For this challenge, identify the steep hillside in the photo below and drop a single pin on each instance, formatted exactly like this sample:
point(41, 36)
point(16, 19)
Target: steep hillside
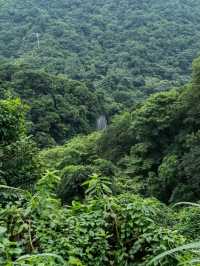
point(119, 46)
point(125, 195)
point(65, 63)
point(36, 229)
point(153, 150)
point(117, 51)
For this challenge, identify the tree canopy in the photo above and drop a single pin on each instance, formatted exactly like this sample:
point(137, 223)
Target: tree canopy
point(73, 193)
point(119, 46)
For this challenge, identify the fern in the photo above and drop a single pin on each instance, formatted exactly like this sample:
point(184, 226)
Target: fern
point(187, 203)
point(20, 191)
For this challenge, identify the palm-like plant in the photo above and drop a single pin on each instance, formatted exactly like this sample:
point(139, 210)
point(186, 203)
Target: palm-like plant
point(98, 186)
point(37, 259)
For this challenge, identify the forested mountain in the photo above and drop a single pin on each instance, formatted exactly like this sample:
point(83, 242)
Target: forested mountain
point(121, 50)
point(125, 195)
point(115, 45)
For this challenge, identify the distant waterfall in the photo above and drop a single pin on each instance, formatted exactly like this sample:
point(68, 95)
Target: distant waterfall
point(102, 123)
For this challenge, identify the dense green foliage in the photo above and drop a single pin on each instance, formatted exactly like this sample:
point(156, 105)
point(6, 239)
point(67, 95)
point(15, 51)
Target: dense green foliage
point(130, 230)
point(119, 46)
point(101, 198)
point(119, 51)
point(59, 108)
point(158, 143)
point(19, 166)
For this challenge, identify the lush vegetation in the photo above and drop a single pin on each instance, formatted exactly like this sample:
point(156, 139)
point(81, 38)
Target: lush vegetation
point(19, 166)
point(118, 52)
point(119, 46)
point(157, 143)
point(88, 193)
point(58, 107)
point(127, 195)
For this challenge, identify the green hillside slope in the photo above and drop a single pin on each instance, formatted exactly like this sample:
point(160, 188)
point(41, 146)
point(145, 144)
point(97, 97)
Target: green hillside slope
point(113, 44)
point(74, 196)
